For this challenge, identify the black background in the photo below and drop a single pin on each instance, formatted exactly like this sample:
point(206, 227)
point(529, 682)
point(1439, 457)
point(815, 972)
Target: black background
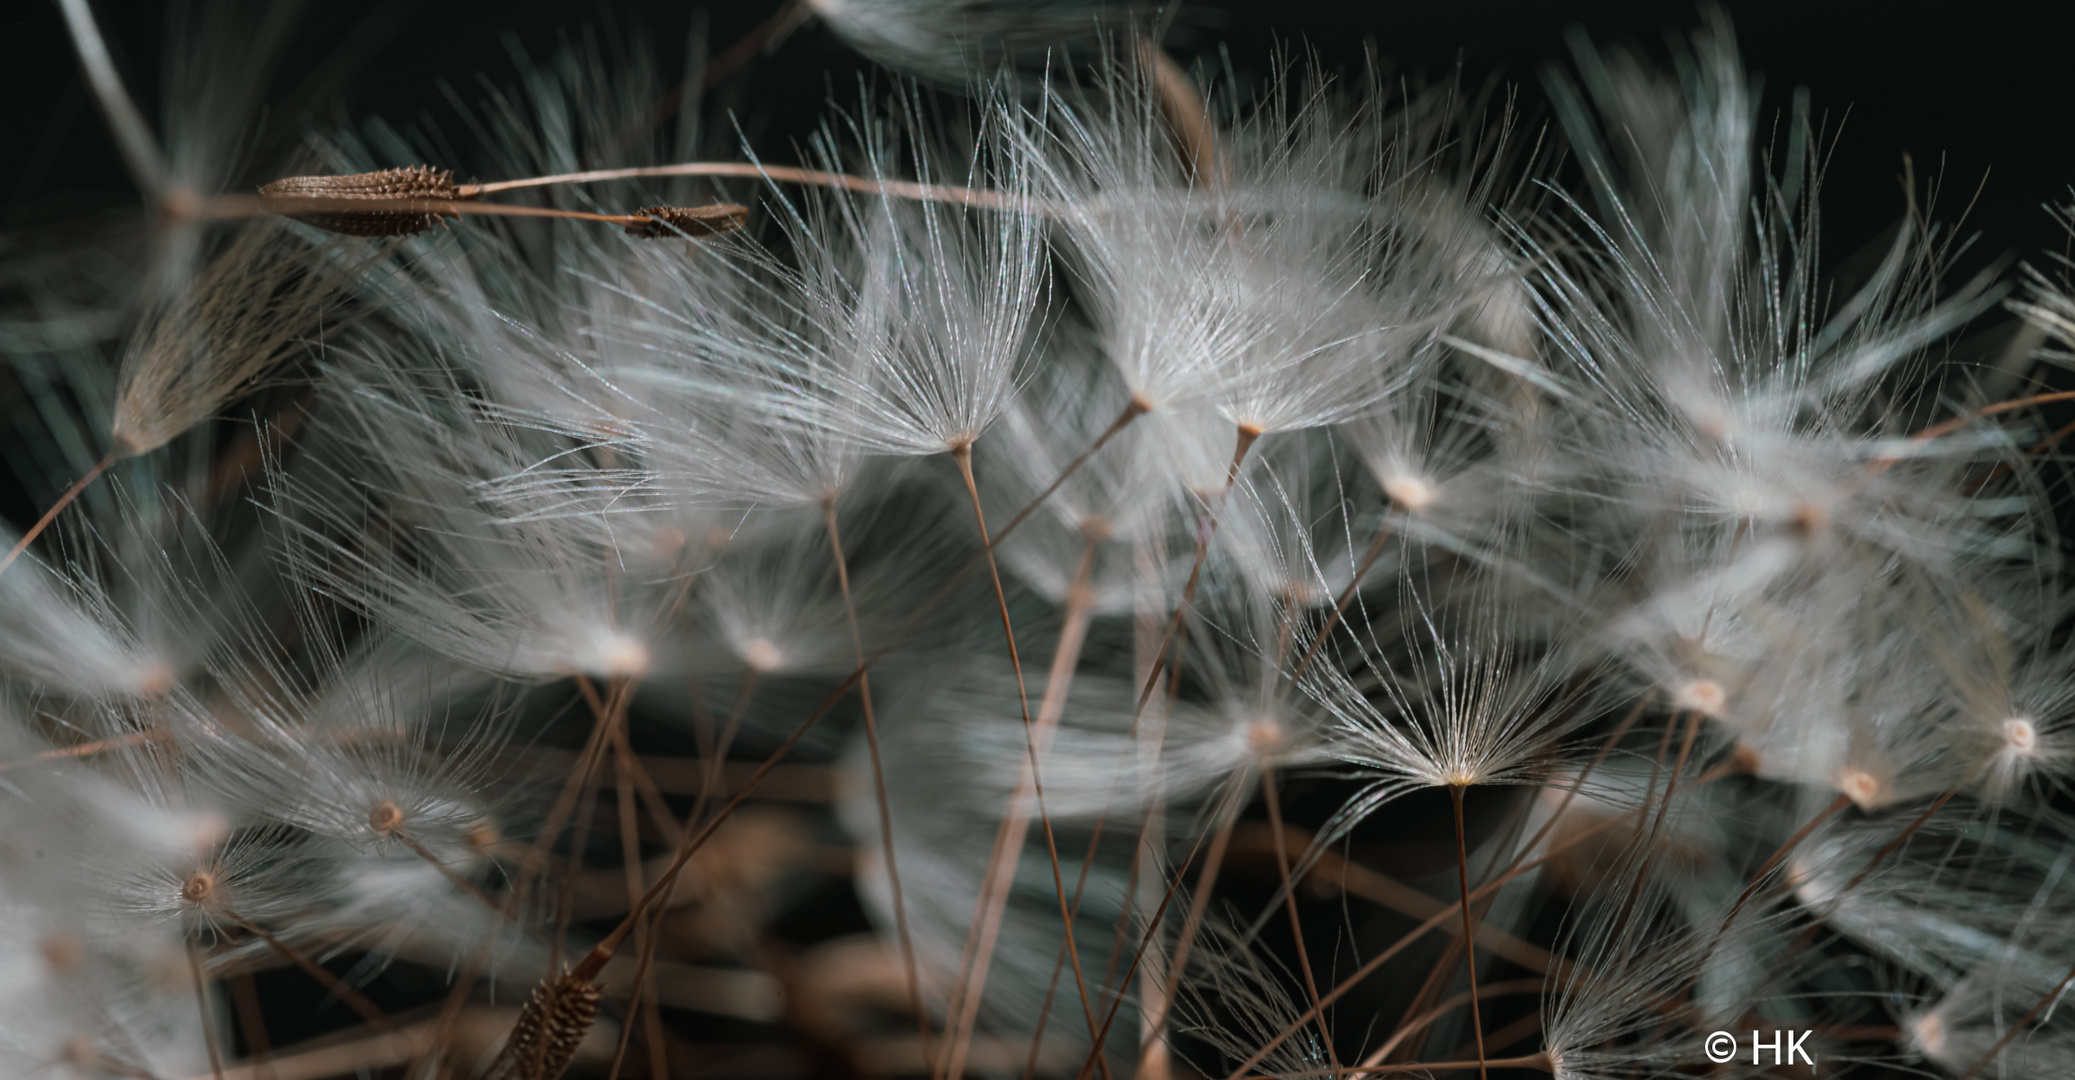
point(1980, 94)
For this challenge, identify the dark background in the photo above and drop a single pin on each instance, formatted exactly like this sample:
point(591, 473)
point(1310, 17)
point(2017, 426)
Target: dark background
point(1981, 94)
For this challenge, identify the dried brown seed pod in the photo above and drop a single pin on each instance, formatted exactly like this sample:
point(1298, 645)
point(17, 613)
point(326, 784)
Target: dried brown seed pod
point(713, 220)
point(414, 182)
point(549, 1029)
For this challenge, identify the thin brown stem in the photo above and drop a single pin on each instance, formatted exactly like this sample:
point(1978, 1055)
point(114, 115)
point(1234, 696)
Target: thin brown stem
point(86, 749)
point(252, 1023)
point(1247, 435)
point(1462, 872)
point(1289, 900)
point(1145, 944)
point(602, 953)
point(645, 937)
point(452, 875)
point(226, 207)
point(57, 508)
point(194, 972)
point(1192, 923)
point(1133, 409)
point(757, 171)
point(2019, 1027)
point(1347, 596)
point(616, 697)
point(962, 454)
point(893, 873)
point(1015, 827)
point(368, 1011)
point(1370, 966)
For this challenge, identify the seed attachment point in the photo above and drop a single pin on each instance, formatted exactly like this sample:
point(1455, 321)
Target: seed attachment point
point(385, 817)
point(199, 888)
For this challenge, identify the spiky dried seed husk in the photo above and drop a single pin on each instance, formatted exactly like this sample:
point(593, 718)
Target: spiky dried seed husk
point(711, 220)
point(549, 1029)
point(413, 182)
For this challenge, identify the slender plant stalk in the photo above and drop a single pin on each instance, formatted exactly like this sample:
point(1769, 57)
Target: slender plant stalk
point(194, 972)
point(1247, 435)
point(57, 508)
point(1370, 966)
point(1289, 899)
point(2019, 1027)
point(962, 454)
point(893, 872)
point(1001, 867)
point(1462, 872)
point(354, 1000)
point(1199, 903)
point(645, 936)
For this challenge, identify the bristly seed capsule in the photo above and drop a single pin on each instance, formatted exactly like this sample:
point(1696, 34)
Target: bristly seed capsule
point(549, 1029)
point(413, 182)
point(691, 221)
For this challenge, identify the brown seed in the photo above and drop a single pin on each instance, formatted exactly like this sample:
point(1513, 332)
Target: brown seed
point(414, 182)
point(549, 1029)
point(710, 220)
